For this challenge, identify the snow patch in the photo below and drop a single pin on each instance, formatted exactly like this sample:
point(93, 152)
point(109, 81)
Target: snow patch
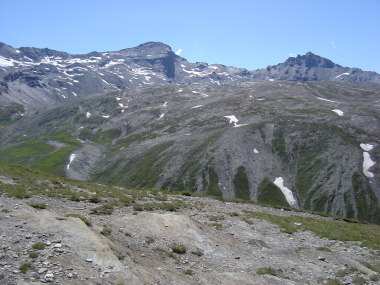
point(178, 52)
point(198, 106)
point(279, 182)
point(338, 112)
point(327, 100)
point(106, 116)
point(235, 121)
point(255, 150)
point(346, 73)
point(72, 157)
point(366, 146)
point(161, 116)
point(118, 98)
point(165, 104)
point(367, 164)
point(88, 114)
point(75, 94)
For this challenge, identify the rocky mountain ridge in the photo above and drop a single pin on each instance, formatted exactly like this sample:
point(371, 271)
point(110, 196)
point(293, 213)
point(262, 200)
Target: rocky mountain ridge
point(37, 77)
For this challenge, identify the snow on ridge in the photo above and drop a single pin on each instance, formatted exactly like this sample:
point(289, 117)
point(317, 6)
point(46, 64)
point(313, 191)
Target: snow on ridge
point(338, 112)
point(75, 94)
point(367, 164)
point(198, 106)
point(234, 120)
point(279, 182)
point(165, 104)
point(346, 73)
point(366, 146)
point(72, 157)
point(161, 116)
point(5, 62)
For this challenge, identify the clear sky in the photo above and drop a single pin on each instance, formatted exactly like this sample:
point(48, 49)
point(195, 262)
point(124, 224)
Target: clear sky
point(243, 33)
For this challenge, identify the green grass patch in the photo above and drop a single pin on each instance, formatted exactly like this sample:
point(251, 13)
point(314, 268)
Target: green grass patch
point(39, 246)
point(241, 184)
point(25, 152)
point(179, 248)
point(83, 218)
point(269, 193)
point(25, 267)
point(39, 206)
point(366, 234)
point(267, 270)
point(55, 162)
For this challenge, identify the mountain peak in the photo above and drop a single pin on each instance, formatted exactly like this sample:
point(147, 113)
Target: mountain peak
point(310, 60)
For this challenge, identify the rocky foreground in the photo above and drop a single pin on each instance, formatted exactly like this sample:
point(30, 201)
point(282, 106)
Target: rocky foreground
point(199, 240)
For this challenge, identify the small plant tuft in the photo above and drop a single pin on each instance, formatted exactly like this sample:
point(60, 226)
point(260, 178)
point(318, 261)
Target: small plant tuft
point(33, 255)
point(179, 248)
point(84, 219)
point(149, 240)
point(25, 267)
point(267, 271)
point(39, 246)
point(106, 231)
point(39, 206)
point(188, 272)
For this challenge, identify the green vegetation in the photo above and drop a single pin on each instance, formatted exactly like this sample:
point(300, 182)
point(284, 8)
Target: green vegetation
point(179, 248)
point(212, 186)
point(11, 112)
point(25, 267)
point(166, 252)
point(83, 218)
point(106, 231)
point(38, 206)
point(326, 249)
point(278, 143)
point(365, 199)
point(149, 240)
point(107, 136)
point(269, 193)
point(186, 177)
point(359, 280)
point(106, 209)
point(33, 255)
point(241, 184)
point(267, 270)
point(188, 272)
point(197, 252)
point(366, 234)
point(25, 152)
point(144, 169)
point(216, 218)
point(308, 166)
point(39, 246)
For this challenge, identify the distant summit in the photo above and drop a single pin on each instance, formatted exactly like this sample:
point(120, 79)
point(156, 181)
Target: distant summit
point(312, 67)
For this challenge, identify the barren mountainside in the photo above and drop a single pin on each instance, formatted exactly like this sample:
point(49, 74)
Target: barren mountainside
point(301, 134)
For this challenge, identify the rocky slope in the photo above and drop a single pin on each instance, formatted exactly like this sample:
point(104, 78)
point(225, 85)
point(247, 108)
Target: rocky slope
point(306, 145)
point(52, 232)
point(39, 77)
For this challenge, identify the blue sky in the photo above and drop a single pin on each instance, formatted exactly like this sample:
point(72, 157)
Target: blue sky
point(243, 33)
